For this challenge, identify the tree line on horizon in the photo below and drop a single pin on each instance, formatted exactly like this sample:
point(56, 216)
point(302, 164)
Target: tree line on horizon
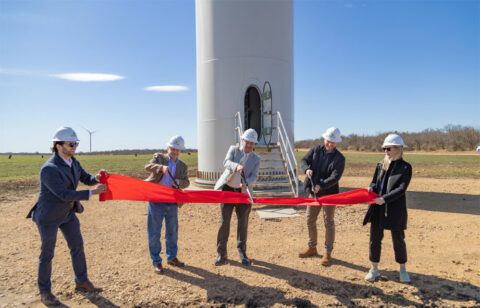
point(111, 152)
point(449, 138)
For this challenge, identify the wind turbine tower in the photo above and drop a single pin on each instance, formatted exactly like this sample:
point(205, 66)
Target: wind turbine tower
point(90, 132)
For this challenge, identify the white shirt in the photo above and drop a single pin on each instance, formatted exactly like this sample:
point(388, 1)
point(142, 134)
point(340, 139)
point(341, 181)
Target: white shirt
point(236, 178)
point(69, 161)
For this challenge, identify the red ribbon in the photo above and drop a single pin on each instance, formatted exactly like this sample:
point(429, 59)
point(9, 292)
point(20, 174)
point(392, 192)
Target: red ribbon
point(121, 187)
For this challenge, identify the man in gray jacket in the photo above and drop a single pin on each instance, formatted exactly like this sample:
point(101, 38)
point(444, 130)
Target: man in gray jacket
point(323, 166)
point(241, 169)
point(167, 170)
point(55, 209)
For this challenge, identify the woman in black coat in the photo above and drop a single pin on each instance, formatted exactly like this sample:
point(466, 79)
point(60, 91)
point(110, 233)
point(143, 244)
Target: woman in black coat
point(390, 181)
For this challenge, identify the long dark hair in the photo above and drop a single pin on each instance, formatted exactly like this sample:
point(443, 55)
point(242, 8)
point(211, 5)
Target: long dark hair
point(54, 148)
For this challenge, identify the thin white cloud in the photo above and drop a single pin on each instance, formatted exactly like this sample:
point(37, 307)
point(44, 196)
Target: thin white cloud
point(171, 88)
point(88, 77)
point(17, 72)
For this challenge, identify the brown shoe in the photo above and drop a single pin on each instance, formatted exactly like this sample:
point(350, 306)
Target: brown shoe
point(309, 252)
point(48, 299)
point(159, 268)
point(87, 286)
point(176, 262)
point(327, 258)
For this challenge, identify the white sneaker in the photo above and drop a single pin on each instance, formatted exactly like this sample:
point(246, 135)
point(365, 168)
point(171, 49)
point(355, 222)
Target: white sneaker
point(372, 275)
point(404, 277)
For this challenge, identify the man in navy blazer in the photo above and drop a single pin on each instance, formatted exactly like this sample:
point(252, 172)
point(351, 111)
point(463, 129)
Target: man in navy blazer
point(55, 209)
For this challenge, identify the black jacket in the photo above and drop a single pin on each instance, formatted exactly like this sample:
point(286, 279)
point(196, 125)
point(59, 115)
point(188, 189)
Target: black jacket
point(394, 196)
point(312, 160)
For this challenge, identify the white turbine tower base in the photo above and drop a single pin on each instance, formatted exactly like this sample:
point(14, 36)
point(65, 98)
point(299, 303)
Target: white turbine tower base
point(244, 60)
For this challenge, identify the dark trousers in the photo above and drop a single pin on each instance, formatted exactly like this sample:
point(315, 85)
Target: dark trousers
point(243, 212)
point(48, 236)
point(399, 245)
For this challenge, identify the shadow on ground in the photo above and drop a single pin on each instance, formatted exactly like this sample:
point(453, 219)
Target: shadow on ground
point(440, 202)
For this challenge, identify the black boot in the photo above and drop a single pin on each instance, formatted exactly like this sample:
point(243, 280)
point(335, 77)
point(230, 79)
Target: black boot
point(245, 260)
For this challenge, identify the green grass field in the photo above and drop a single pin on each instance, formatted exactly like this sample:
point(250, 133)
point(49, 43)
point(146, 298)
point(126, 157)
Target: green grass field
point(21, 171)
point(424, 165)
point(26, 167)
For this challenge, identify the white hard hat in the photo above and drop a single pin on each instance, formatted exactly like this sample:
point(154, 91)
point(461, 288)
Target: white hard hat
point(65, 134)
point(333, 135)
point(393, 140)
point(250, 135)
point(176, 142)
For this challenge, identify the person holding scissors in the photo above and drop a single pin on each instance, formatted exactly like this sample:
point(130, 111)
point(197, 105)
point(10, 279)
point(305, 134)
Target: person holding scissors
point(167, 170)
point(241, 169)
point(323, 166)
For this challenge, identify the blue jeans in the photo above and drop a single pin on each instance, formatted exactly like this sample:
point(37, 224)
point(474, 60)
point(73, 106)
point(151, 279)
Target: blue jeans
point(48, 235)
point(157, 212)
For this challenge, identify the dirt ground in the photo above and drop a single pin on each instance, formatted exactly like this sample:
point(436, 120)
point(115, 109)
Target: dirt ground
point(443, 241)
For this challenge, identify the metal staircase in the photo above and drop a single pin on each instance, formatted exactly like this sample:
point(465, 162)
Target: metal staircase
point(277, 175)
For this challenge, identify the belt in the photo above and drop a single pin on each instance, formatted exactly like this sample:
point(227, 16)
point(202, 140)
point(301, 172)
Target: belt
point(229, 188)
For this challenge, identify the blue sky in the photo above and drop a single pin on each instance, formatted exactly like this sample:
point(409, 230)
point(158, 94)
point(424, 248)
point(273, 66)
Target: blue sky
point(363, 66)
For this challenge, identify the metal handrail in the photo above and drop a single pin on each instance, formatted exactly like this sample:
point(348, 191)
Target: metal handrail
point(238, 127)
point(291, 174)
point(284, 144)
point(281, 126)
point(287, 151)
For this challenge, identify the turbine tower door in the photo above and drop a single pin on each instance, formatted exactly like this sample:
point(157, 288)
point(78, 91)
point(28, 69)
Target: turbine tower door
point(253, 110)
point(267, 121)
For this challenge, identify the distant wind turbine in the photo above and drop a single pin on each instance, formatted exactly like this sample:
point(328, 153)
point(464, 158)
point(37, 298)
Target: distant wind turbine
point(90, 132)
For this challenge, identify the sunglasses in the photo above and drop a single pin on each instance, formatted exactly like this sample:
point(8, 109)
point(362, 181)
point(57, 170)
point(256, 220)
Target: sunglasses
point(71, 144)
point(389, 149)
